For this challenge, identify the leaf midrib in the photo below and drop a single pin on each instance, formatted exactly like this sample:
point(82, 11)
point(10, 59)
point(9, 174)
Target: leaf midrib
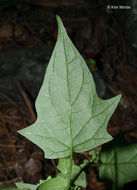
point(71, 143)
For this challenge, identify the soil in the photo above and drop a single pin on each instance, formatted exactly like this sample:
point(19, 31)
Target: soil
point(30, 26)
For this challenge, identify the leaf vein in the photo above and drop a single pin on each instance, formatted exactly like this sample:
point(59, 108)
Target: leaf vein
point(92, 117)
point(54, 139)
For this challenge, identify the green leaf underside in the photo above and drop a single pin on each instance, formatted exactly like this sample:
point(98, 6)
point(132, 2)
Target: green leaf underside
point(70, 114)
point(119, 163)
point(25, 186)
point(58, 183)
point(64, 165)
point(81, 180)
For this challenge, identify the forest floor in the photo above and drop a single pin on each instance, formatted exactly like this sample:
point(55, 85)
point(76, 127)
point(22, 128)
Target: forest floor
point(98, 34)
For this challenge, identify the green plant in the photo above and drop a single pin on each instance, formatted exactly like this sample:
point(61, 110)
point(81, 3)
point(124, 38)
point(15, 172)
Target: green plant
point(72, 118)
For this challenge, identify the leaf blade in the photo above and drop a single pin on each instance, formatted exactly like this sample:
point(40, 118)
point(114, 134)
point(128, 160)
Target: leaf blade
point(57, 183)
point(68, 107)
point(26, 186)
point(119, 162)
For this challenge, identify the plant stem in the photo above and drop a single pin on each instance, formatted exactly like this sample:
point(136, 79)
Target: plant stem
point(69, 176)
point(71, 160)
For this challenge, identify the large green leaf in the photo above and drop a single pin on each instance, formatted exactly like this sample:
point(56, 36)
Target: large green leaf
point(70, 115)
point(119, 163)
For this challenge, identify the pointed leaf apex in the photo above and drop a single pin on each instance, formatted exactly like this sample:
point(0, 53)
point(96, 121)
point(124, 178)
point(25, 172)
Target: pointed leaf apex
point(59, 21)
point(58, 18)
point(61, 28)
point(118, 98)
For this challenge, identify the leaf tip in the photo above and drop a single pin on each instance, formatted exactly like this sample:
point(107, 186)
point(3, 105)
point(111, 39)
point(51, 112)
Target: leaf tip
point(116, 100)
point(58, 19)
point(19, 131)
point(61, 28)
point(119, 97)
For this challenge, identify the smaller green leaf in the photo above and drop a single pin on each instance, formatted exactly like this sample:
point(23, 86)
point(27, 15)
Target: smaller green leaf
point(58, 183)
point(81, 180)
point(119, 162)
point(63, 166)
point(27, 186)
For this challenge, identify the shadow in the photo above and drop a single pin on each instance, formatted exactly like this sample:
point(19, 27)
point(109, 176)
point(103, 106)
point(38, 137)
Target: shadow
point(113, 148)
point(130, 186)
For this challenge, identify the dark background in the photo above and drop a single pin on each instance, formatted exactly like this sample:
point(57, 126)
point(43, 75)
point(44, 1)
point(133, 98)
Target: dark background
point(106, 38)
